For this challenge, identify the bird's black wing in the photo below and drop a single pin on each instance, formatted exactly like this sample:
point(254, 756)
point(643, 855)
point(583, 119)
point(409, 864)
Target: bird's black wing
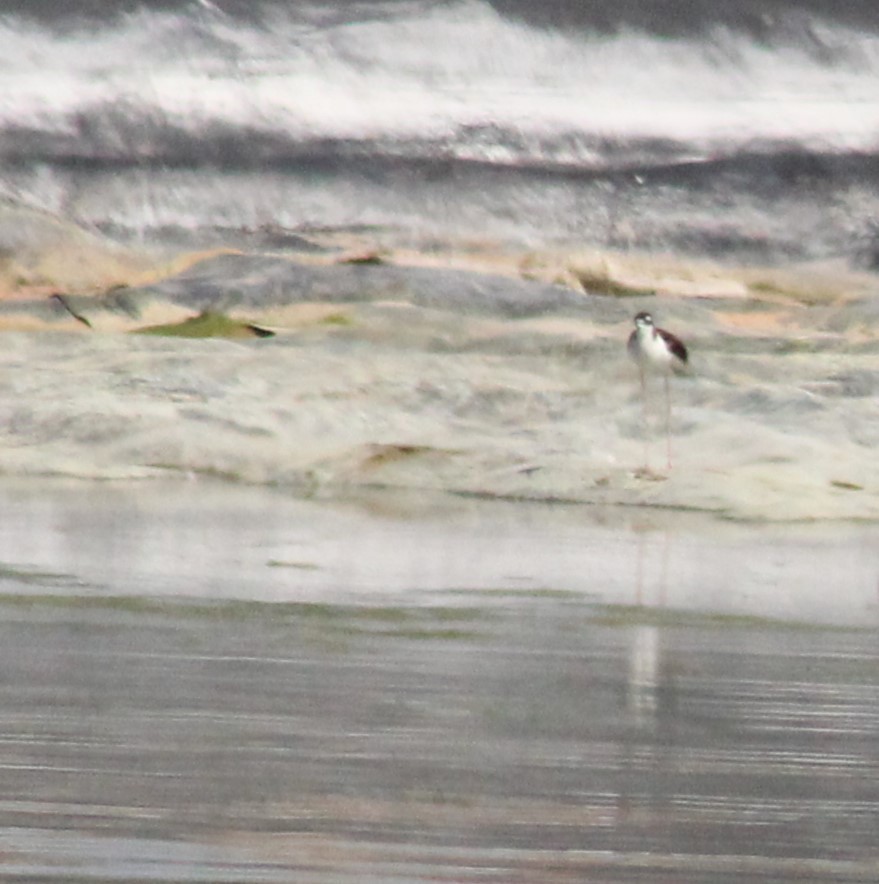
point(675, 345)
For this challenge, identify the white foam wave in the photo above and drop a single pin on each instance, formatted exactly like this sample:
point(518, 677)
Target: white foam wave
point(422, 71)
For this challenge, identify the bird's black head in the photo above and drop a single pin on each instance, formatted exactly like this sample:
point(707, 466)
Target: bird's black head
point(643, 319)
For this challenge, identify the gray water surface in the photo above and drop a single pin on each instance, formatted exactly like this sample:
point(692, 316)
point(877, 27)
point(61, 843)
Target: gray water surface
point(201, 682)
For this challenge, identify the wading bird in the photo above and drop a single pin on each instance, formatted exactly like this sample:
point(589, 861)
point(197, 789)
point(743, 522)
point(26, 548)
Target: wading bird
point(656, 351)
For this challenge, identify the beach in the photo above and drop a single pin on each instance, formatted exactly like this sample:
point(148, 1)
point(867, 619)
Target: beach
point(481, 374)
point(335, 559)
point(338, 539)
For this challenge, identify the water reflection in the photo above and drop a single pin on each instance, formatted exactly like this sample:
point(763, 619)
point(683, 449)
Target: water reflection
point(644, 674)
point(531, 693)
point(651, 584)
point(216, 541)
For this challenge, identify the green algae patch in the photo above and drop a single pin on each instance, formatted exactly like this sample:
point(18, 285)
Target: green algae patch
point(299, 566)
point(202, 472)
point(810, 296)
point(843, 485)
point(339, 319)
point(413, 634)
point(671, 618)
point(511, 593)
point(792, 346)
point(59, 601)
point(603, 283)
point(207, 325)
point(414, 622)
point(29, 576)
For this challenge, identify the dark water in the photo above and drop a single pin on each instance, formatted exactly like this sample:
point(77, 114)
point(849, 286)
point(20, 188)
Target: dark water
point(540, 740)
point(606, 698)
point(745, 131)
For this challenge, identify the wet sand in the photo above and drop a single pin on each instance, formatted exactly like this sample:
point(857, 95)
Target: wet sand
point(206, 682)
point(389, 395)
point(472, 368)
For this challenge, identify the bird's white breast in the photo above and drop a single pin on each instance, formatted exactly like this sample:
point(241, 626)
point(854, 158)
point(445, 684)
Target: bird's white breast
point(652, 349)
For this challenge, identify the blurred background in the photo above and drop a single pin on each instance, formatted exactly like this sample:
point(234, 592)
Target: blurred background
point(745, 131)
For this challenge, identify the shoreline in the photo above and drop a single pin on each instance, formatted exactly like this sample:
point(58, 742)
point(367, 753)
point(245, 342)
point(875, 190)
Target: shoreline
point(202, 543)
point(347, 369)
point(326, 411)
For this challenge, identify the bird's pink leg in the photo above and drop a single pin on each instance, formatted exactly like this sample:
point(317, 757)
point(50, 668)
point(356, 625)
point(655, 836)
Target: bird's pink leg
point(644, 418)
point(668, 420)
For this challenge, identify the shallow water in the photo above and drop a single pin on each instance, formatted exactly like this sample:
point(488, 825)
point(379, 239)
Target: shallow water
point(209, 541)
point(444, 689)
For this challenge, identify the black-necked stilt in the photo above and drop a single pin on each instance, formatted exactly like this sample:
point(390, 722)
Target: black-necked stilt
point(660, 352)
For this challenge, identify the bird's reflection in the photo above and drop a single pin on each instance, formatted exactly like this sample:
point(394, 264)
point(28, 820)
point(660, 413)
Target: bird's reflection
point(645, 651)
point(643, 687)
point(642, 800)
